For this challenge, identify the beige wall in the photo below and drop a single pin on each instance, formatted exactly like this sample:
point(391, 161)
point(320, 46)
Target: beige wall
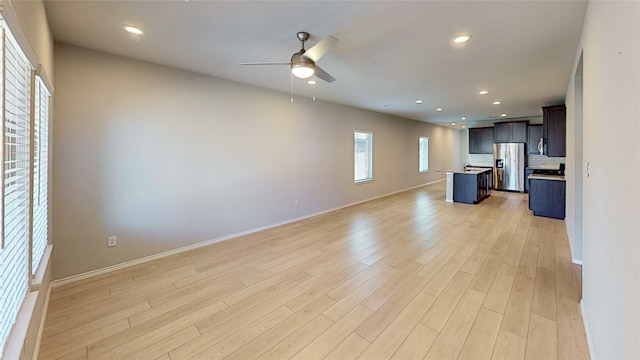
point(611, 224)
point(165, 158)
point(33, 21)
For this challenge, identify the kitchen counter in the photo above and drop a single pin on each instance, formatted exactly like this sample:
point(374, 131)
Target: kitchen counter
point(475, 171)
point(472, 171)
point(547, 177)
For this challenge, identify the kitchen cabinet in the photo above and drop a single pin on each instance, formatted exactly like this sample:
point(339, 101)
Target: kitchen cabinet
point(501, 132)
point(554, 130)
point(472, 187)
point(527, 172)
point(487, 141)
point(510, 132)
point(481, 141)
point(547, 197)
point(534, 134)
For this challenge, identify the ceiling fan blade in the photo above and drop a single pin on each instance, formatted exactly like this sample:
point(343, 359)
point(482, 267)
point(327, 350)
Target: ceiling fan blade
point(323, 75)
point(267, 63)
point(318, 50)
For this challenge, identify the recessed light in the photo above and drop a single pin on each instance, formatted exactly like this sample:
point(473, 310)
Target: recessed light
point(311, 82)
point(419, 101)
point(464, 126)
point(463, 118)
point(503, 115)
point(438, 109)
point(496, 103)
point(483, 92)
point(462, 39)
point(454, 124)
point(132, 29)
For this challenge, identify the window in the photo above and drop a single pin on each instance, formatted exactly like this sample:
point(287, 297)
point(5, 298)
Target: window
point(40, 172)
point(24, 122)
point(15, 188)
point(424, 154)
point(363, 160)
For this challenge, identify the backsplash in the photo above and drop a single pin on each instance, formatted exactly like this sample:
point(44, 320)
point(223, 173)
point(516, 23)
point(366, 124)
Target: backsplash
point(534, 161)
point(541, 161)
point(480, 159)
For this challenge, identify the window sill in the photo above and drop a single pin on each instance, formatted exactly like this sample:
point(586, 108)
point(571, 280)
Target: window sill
point(358, 182)
point(38, 277)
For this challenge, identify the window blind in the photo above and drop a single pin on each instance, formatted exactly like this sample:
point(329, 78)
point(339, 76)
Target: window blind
point(14, 253)
point(424, 154)
point(40, 232)
point(363, 157)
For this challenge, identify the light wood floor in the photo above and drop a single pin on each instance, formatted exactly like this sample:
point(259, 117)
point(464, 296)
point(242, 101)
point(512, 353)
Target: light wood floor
point(404, 277)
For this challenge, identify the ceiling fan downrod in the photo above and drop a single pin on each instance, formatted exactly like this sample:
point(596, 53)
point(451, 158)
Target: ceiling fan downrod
point(303, 36)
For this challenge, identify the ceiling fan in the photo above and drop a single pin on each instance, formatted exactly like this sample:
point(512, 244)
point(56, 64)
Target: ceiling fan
point(303, 63)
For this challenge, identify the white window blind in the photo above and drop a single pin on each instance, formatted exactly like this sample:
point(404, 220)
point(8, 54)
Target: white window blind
point(14, 252)
point(363, 156)
point(40, 232)
point(424, 154)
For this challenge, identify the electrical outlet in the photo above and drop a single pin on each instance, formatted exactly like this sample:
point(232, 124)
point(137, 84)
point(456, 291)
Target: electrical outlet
point(296, 203)
point(112, 241)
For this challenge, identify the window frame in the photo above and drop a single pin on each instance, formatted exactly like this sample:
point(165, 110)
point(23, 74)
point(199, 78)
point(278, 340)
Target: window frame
point(22, 84)
point(369, 151)
point(423, 154)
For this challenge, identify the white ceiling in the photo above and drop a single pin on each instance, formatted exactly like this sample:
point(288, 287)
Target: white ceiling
point(390, 52)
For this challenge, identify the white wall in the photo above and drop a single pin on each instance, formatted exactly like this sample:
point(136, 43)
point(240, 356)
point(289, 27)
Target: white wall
point(33, 22)
point(611, 212)
point(165, 158)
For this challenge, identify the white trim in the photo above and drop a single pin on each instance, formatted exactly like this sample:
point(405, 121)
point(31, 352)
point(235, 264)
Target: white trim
point(38, 277)
point(45, 307)
point(586, 330)
point(16, 339)
point(108, 269)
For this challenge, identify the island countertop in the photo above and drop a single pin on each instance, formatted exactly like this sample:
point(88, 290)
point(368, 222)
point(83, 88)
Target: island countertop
point(470, 171)
point(547, 177)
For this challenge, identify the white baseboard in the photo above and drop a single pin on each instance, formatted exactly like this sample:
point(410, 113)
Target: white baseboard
point(108, 269)
point(36, 350)
point(586, 330)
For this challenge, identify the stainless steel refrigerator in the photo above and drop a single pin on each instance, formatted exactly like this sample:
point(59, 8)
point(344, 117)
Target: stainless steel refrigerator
point(508, 167)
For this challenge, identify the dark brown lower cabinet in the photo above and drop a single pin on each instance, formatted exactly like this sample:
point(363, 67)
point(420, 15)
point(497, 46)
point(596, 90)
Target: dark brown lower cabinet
point(547, 197)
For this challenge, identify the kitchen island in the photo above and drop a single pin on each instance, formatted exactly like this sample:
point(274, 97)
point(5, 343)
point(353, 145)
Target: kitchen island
point(470, 186)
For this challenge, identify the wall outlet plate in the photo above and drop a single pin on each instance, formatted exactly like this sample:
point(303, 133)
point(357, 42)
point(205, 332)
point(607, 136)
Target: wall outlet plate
point(112, 241)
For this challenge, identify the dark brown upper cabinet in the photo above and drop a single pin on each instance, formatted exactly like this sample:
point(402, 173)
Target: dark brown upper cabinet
point(511, 132)
point(534, 134)
point(481, 141)
point(554, 130)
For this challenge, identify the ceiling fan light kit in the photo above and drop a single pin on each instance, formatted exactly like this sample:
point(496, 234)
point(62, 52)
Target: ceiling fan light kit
point(303, 63)
point(301, 67)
